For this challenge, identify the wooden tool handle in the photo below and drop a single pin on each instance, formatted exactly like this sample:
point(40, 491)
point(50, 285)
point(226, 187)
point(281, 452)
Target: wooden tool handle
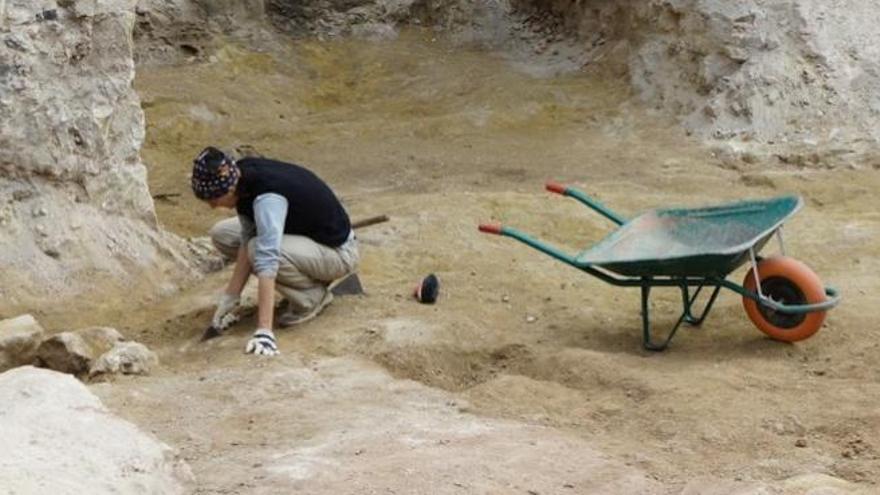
point(365, 222)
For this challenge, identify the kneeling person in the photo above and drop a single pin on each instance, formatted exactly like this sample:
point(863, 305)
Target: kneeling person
point(291, 231)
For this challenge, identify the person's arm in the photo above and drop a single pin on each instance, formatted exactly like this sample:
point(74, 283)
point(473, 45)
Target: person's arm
point(240, 273)
point(270, 214)
point(265, 301)
point(242, 270)
point(229, 299)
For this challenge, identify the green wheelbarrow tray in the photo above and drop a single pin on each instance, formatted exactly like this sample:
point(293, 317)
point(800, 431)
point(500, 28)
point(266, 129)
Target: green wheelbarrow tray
point(690, 242)
point(697, 247)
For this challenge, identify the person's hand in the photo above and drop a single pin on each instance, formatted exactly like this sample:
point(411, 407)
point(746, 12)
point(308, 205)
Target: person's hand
point(223, 316)
point(262, 343)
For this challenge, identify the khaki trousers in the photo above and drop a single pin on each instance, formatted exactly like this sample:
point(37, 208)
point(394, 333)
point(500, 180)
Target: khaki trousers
point(305, 267)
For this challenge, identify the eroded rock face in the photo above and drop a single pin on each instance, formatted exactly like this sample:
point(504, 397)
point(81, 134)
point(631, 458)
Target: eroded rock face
point(59, 438)
point(74, 203)
point(799, 71)
point(359, 18)
point(796, 72)
point(166, 30)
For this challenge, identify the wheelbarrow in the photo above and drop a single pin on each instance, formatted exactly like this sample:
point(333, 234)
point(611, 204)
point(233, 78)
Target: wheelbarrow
point(693, 248)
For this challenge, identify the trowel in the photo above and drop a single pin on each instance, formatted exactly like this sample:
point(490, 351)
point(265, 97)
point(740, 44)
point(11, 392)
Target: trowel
point(347, 286)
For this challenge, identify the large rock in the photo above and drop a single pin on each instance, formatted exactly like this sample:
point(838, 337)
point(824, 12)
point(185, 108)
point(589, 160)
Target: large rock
point(59, 438)
point(19, 338)
point(76, 352)
point(74, 202)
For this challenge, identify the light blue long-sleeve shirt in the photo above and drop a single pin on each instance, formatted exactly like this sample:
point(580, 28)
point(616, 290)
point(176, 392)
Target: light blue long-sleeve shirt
point(270, 214)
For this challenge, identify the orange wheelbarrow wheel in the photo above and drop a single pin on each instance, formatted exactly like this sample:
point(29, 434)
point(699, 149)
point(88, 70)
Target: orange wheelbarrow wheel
point(790, 282)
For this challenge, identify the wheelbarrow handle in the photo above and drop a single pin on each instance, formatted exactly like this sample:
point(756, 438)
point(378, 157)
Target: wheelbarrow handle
point(558, 188)
point(498, 229)
point(555, 187)
point(491, 228)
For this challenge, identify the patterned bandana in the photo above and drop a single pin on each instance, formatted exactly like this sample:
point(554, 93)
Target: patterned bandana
point(214, 174)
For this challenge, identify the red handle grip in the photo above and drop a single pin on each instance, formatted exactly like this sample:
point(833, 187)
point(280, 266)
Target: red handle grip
point(555, 187)
point(491, 228)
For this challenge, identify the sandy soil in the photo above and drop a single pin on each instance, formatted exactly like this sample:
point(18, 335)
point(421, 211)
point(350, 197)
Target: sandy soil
point(527, 376)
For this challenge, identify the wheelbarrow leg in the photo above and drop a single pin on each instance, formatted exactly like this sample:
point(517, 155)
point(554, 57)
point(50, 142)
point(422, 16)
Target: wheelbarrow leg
point(688, 303)
point(648, 342)
point(686, 314)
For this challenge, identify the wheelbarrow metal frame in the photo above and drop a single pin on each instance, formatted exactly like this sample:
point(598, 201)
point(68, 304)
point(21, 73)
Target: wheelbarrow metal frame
point(684, 283)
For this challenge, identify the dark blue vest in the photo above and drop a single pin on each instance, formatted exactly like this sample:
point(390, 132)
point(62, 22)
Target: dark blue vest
point(313, 210)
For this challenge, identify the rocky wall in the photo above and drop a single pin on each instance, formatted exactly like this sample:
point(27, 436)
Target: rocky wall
point(75, 211)
point(167, 30)
point(796, 72)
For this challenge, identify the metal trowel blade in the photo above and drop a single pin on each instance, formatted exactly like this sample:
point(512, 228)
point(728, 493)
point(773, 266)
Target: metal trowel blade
point(350, 285)
point(211, 333)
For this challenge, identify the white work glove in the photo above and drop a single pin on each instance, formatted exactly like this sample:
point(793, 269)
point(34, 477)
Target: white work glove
point(262, 343)
point(223, 316)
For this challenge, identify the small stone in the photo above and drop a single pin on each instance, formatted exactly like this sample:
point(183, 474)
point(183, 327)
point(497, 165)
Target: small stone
point(127, 358)
point(800, 443)
point(505, 298)
point(531, 319)
point(22, 194)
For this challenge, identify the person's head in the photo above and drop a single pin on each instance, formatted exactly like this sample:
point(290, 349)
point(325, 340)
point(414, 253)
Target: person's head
point(214, 177)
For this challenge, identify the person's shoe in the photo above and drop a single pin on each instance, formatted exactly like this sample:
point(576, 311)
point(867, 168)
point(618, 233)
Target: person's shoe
point(290, 317)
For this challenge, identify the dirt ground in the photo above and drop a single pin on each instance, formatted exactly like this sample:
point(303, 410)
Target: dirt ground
point(527, 376)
